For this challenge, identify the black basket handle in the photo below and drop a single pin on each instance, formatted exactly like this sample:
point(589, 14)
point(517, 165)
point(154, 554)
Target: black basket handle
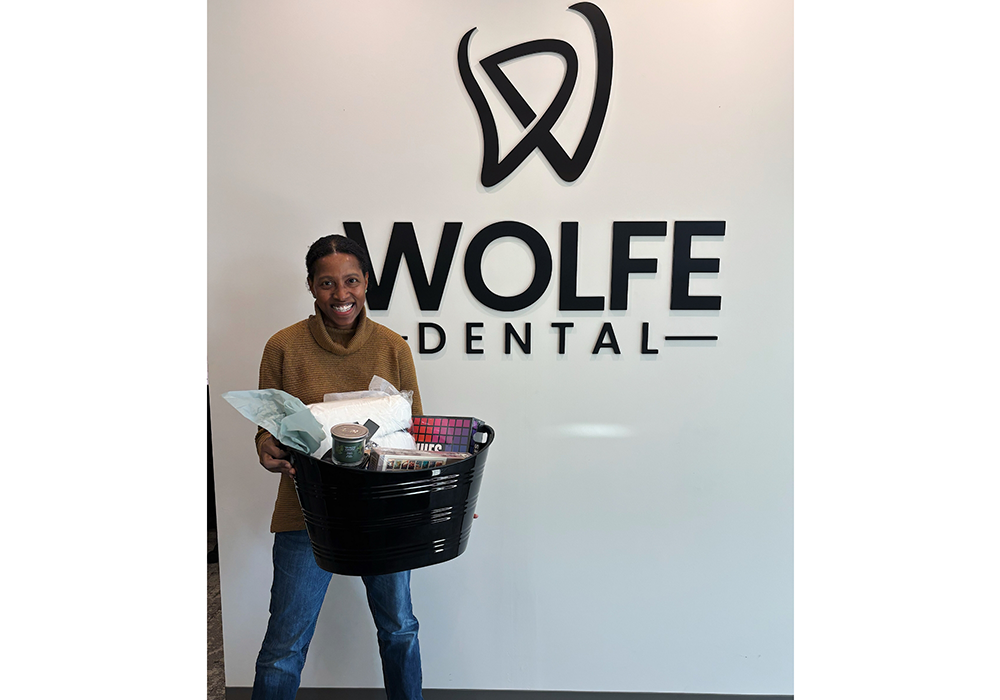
point(483, 428)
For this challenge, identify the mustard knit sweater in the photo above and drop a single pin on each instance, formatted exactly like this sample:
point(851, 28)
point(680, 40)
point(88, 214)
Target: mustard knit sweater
point(310, 359)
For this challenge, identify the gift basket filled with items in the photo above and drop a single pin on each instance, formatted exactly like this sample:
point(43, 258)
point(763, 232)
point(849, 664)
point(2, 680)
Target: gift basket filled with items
point(381, 490)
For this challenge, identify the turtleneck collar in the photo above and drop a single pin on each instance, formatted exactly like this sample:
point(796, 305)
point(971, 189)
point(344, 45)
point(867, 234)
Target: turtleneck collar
point(340, 342)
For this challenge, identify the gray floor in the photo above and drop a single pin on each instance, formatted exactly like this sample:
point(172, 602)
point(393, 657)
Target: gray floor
point(216, 662)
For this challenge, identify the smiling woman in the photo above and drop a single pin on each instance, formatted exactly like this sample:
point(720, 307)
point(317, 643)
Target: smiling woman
point(338, 349)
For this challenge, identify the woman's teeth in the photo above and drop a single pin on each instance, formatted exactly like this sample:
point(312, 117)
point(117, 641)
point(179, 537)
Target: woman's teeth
point(343, 309)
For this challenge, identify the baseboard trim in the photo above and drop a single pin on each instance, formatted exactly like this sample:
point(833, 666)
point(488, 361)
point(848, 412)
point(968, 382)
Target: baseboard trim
point(453, 694)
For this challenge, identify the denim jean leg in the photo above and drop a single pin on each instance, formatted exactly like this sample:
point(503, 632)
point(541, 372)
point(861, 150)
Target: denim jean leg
point(396, 629)
point(296, 598)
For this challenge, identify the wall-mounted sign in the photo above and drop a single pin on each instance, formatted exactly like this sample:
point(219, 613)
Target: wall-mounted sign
point(429, 289)
point(539, 136)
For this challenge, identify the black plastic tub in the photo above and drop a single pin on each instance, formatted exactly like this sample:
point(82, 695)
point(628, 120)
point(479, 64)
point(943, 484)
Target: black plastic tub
point(363, 523)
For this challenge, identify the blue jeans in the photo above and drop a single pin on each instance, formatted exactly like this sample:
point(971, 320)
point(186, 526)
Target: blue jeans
point(296, 598)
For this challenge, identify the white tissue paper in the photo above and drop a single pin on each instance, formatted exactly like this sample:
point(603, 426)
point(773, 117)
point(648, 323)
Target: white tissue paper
point(382, 403)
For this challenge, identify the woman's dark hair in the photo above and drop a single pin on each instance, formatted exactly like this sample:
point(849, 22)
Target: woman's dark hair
point(334, 243)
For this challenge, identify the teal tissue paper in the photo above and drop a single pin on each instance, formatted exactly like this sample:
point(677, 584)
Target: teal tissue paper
point(281, 414)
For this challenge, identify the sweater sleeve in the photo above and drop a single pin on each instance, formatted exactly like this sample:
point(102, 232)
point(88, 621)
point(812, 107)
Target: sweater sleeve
point(269, 378)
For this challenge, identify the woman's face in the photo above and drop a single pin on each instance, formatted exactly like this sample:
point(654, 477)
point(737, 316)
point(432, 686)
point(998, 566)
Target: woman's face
point(339, 286)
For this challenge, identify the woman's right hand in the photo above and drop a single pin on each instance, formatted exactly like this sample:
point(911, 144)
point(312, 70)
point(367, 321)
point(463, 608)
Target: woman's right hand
point(274, 459)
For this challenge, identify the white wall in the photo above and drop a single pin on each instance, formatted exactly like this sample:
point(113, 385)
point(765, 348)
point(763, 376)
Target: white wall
point(657, 558)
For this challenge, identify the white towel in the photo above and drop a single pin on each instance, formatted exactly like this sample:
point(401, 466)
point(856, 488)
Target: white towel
point(392, 413)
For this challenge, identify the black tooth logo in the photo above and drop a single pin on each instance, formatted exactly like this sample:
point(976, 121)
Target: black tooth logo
point(540, 136)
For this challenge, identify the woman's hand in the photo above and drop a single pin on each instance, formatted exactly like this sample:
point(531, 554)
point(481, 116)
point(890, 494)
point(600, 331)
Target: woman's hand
point(273, 458)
